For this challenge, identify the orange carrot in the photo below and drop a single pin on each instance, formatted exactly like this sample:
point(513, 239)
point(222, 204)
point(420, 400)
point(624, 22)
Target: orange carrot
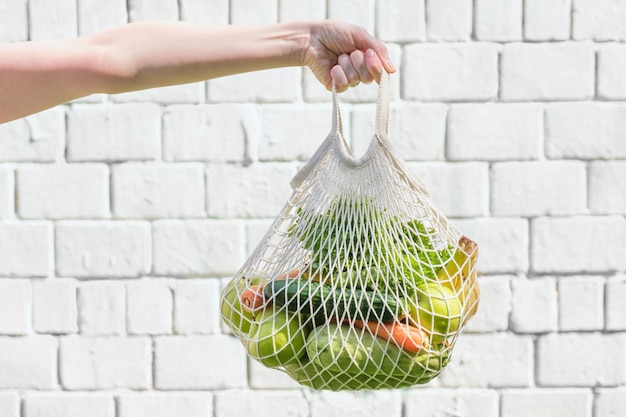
point(407, 337)
point(290, 274)
point(252, 298)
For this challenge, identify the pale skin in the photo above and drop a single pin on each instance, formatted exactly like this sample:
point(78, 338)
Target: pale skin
point(41, 74)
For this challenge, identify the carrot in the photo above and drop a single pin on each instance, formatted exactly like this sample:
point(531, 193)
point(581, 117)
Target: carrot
point(252, 298)
point(290, 274)
point(407, 337)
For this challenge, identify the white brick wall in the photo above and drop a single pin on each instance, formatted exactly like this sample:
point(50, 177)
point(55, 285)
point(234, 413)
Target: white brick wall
point(63, 192)
point(54, 306)
point(68, 405)
point(123, 216)
point(95, 363)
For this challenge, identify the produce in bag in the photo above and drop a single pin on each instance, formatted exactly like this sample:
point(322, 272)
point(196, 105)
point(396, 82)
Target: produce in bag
point(360, 282)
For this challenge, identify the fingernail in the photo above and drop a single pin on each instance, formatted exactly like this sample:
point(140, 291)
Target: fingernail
point(391, 66)
point(369, 53)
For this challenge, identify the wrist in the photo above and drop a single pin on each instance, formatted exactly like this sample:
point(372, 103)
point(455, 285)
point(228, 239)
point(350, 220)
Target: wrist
point(298, 35)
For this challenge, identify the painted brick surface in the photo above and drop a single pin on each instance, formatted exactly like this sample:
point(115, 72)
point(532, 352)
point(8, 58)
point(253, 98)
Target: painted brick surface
point(122, 217)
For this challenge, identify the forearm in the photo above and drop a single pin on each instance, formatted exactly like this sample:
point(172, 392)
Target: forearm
point(38, 75)
point(145, 55)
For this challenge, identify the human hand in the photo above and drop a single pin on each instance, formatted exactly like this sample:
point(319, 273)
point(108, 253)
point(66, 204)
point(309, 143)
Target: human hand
point(345, 54)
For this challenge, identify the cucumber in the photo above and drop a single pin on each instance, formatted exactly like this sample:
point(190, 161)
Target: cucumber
point(324, 302)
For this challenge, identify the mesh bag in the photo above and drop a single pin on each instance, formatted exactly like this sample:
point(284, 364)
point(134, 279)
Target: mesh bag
point(360, 283)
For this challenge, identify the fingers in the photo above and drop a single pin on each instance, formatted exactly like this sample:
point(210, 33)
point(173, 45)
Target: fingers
point(356, 68)
point(366, 41)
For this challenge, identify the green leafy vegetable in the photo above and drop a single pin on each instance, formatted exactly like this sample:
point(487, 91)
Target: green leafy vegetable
point(360, 245)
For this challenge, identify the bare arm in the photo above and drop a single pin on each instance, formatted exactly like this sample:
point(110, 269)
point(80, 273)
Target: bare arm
point(38, 75)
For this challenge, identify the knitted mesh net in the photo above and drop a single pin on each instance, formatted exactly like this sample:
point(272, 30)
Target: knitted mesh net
point(360, 282)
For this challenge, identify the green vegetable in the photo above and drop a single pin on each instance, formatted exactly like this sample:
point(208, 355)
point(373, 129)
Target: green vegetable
point(343, 349)
point(364, 246)
point(321, 300)
point(277, 339)
point(313, 376)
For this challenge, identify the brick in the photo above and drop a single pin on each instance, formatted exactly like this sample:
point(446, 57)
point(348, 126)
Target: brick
point(263, 378)
point(15, 307)
point(197, 247)
point(56, 20)
point(165, 405)
point(267, 86)
point(36, 138)
point(9, 404)
point(149, 307)
point(538, 188)
point(95, 363)
point(265, 12)
point(215, 12)
point(535, 306)
point(236, 403)
point(475, 356)
point(416, 132)
point(219, 132)
point(152, 191)
point(28, 363)
point(68, 405)
point(581, 303)
point(63, 191)
point(569, 245)
point(237, 191)
point(610, 402)
point(102, 308)
point(494, 307)
point(537, 402)
point(450, 20)
point(498, 20)
point(615, 292)
point(357, 12)
point(102, 249)
point(401, 21)
point(600, 20)
point(13, 21)
point(301, 10)
point(336, 404)
point(111, 133)
point(547, 20)
point(292, 132)
point(585, 131)
point(547, 71)
point(95, 16)
point(196, 307)
point(183, 363)
point(502, 242)
point(139, 10)
point(561, 361)
point(611, 65)
point(26, 249)
point(476, 131)
point(605, 178)
point(54, 306)
point(456, 189)
point(451, 72)
point(443, 402)
point(7, 192)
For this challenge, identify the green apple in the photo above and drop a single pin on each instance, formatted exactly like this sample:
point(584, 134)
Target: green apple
point(277, 338)
point(438, 311)
point(237, 318)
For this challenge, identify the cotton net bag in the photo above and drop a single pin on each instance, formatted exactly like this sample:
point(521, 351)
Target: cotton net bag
point(360, 282)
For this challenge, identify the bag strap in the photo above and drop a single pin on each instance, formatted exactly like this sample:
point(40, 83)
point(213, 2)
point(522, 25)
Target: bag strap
point(382, 108)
